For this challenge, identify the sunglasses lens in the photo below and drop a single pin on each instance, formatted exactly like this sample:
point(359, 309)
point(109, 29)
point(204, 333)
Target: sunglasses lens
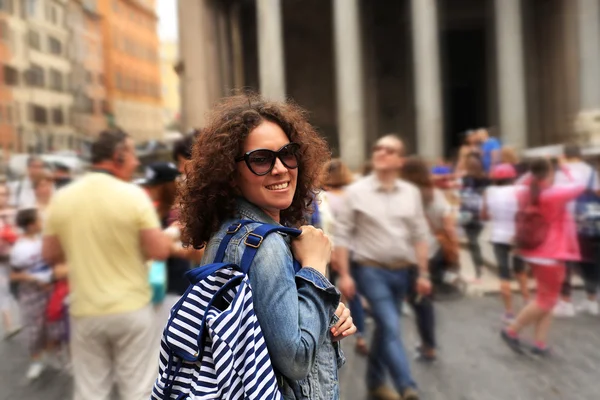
point(261, 161)
point(288, 156)
point(386, 150)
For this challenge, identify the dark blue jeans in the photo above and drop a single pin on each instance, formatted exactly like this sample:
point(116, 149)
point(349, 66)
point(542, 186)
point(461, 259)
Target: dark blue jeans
point(385, 290)
point(473, 231)
point(424, 311)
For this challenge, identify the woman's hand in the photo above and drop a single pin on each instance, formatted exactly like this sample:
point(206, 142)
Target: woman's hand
point(344, 327)
point(312, 248)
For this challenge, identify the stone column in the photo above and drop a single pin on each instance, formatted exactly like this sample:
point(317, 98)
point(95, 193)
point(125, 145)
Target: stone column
point(589, 54)
point(197, 74)
point(224, 49)
point(271, 63)
point(237, 48)
point(511, 73)
point(349, 82)
point(428, 93)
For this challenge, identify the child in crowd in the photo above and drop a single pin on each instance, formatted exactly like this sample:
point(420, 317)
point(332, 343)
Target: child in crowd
point(474, 183)
point(33, 277)
point(8, 236)
point(500, 207)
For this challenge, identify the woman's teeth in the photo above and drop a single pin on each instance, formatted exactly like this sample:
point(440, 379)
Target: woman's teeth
point(278, 187)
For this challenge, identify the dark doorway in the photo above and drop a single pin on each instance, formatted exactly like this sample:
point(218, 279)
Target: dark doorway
point(465, 84)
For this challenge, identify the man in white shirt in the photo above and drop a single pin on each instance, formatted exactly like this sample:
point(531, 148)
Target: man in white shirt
point(584, 174)
point(22, 194)
point(382, 227)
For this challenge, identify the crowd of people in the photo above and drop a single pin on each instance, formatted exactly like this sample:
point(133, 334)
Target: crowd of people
point(543, 216)
point(77, 253)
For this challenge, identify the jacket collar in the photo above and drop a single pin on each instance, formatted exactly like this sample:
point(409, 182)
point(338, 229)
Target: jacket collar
point(247, 210)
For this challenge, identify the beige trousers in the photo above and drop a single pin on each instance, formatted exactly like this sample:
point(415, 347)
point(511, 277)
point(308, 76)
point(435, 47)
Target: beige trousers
point(119, 349)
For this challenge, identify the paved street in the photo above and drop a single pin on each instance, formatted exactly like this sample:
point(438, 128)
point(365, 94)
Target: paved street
point(474, 364)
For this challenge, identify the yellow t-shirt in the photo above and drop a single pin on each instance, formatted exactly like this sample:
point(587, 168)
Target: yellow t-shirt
point(98, 220)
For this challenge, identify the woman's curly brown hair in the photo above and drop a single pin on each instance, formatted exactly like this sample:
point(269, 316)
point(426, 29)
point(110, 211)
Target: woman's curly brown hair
point(207, 198)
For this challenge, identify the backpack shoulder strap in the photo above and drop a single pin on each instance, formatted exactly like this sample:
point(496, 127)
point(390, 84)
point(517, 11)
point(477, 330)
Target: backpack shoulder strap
point(231, 231)
point(255, 238)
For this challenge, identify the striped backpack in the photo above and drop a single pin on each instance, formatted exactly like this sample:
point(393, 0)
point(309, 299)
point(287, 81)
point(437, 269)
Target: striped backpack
point(212, 346)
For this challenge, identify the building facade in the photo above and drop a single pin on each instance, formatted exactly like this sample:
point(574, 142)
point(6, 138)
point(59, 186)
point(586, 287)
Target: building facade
point(426, 69)
point(7, 80)
point(41, 61)
point(132, 67)
point(87, 64)
point(171, 96)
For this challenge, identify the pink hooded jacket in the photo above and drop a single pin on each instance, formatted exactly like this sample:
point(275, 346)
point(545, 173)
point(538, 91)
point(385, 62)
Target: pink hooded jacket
point(561, 241)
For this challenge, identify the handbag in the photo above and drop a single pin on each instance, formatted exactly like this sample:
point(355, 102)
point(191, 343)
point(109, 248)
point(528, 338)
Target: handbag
point(449, 247)
point(157, 278)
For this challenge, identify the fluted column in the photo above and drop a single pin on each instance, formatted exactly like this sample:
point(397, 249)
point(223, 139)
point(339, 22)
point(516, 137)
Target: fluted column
point(349, 82)
point(589, 54)
point(428, 93)
point(270, 49)
point(511, 73)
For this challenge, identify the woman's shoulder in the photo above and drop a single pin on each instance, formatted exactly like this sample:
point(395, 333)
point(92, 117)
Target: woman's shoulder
point(272, 245)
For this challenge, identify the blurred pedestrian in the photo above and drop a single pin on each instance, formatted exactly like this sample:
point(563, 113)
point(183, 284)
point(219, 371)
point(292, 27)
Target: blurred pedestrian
point(589, 241)
point(62, 175)
point(182, 150)
point(43, 189)
point(443, 250)
point(261, 161)
point(105, 228)
point(469, 147)
point(337, 176)
point(550, 230)
point(474, 183)
point(8, 236)
point(22, 194)
point(443, 177)
point(162, 187)
point(500, 208)
point(490, 148)
point(508, 155)
point(383, 225)
point(33, 277)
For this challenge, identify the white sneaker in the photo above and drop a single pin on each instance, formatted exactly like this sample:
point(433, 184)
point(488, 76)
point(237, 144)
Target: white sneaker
point(588, 306)
point(35, 370)
point(564, 309)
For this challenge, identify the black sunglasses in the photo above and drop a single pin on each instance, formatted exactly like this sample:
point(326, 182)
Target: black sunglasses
point(388, 150)
point(261, 161)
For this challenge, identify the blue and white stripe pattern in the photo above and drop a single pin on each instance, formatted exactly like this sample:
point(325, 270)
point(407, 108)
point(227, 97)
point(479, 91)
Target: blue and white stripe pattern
point(212, 346)
point(234, 362)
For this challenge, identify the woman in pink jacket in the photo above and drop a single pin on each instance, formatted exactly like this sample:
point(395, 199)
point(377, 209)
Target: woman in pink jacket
point(548, 259)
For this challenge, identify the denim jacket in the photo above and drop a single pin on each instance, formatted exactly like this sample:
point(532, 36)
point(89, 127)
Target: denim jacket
point(295, 311)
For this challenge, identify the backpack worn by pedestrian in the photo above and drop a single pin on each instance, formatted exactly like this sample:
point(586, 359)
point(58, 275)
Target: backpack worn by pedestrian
point(213, 346)
point(587, 212)
point(531, 227)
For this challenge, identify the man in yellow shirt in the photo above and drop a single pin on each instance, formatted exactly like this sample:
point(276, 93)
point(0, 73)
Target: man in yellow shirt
point(105, 228)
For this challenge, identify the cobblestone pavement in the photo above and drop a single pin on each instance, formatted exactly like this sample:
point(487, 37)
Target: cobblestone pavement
point(473, 365)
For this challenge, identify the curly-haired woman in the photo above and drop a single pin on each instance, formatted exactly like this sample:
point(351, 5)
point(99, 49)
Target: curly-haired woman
point(261, 161)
